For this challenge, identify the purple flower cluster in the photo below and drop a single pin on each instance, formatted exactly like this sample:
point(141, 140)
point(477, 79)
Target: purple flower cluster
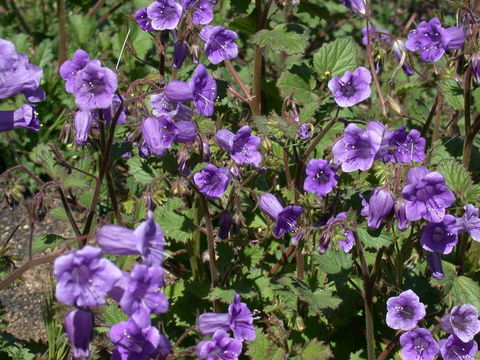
point(238, 320)
point(336, 229)
point(84, 278)
point(94, 88)
point(18, 76)
point(405, 311)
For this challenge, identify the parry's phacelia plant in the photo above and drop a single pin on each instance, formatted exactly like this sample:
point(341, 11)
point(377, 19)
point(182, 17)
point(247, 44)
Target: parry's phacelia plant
point(453, 348)
point(418, 344)
point(212, 181)
point(321, 178)
point(336, 229)
point(469, 222)
point(79, 328)
point(285, 218)
point(404, 311)
point(243, 146)
point(440, 237)
point(352, 88)
point(462, 322)
point(221, 347)
point(219, 43)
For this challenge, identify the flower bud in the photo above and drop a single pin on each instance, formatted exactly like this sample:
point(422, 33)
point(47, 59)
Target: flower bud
point(434, 261)
point(39, 209)
point(402, 222)
point(305, 131)
point(79, 328)
point(475, 64)
point(180, 53)
point(226, 223)
point(379, 206)
point(401, 56)
point(143, 150)
point(195, 50)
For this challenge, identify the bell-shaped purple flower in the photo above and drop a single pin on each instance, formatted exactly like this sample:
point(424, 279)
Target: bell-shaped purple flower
point(432, 40)
point(221, 347)
point(400, 54)
point(380, 205)
point(134, 342)
point(142, 295)
point(352, 87)
point(164, 14)
point(285, 218)
point(70, 68)
point(212, 181)
point(204, 89)
point(358, 6)
point(305, 131)
point(400, 214)
point(24, 117)
point(17, 75)
point(243, 146)
point(376, 34)
point(84, 277)
point(321, 178)
point(440, 237)
point(404, 311)
point(219, 43)
point(462, 322)
point(79, 328)
point(163, 106)
point(418, 344)
point(180, 53)
point(147, 240)
point(408, 147)
point(202, 12)
point(453, 348)
point(142, 19)
point(427, 195)
point(469, 222)
point(94, 87)
point(357, 148)
point(83, 122)
point(434, 262)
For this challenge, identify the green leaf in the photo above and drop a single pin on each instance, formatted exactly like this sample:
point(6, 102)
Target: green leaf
point(82, 27)
point(47, 241)
point(308, 112)
point(223, 295)
point(113, 314)
point(332, 262)
point(457, 178)
point(316, 350)
point(298, 82)
point(465, 291)
point(476, 99)
point(334, 58)
point(252, 255)
point(176, 224)
point(262, 348)
point(453, 93)
point(319, 300)
point(369, 240)
point(140, 170)
point(288, 38)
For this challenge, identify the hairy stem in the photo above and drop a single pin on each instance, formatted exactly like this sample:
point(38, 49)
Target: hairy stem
point(467, 147)
point(62, 47)
point(193, 246)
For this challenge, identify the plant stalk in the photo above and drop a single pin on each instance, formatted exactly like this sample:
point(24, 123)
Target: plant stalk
point(467, 146)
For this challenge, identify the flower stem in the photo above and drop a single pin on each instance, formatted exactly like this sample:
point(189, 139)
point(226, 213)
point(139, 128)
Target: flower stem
point(193, 245)
point(467, 146)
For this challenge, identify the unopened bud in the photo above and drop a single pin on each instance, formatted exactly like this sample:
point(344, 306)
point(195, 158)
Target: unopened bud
point(39, 209)
point(475, 64)
point(195, 51)
point(180, 53)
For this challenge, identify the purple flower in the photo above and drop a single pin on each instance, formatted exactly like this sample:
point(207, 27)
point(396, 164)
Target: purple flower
point(142, 19)
point(432, 40)
point(142, 295)
point(24, 117)
point(305, 131)
point(404, 311)
point(408, 147)
point(400, 214)
point(321, 178)
point(462, 322)
point(453, 348)
point(84, 277)
point(401, 55)
point(79, 327)
point(147, 240)
point(377, 34)
point(201, 89)
point(358, 6)
point(469, 222)
point(434, 262)
point(357, 149)
point(475, 65)
point(219, 43)
point(83, 122)
point(221, 347)
point(380, 205)
point(239, 320)
point(17, 75)
point(94, 87)
point(427, 195)
point(163, 106)
point(212, 181)
point(164, 14)
point(160, 133)
point(202, 12)
point(418, 344)
point(285, 218)
point(352, 87)
point(180, 53)
point(70, 68)
point(440, 237)
point(243, 146)
point(133, 342)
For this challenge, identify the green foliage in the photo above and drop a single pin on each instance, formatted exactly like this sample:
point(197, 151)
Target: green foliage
point(316, 350)
point(298, 82)
point(288, 38)
point(176, 224)
point(465, 291)
point(453, 93)
point(262, 348)
point(459, 180)
point(46, 241)
point(334, 58)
